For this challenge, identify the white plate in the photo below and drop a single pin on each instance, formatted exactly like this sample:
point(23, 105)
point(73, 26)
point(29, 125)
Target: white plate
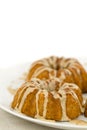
point(7, 77)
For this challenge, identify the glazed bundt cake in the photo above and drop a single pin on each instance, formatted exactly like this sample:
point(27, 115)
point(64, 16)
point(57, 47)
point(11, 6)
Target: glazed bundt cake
point(65, 69)
point(47, 100)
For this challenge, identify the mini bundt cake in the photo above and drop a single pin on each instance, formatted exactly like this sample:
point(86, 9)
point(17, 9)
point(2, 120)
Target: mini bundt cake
point(65, 69)
point(45, 99)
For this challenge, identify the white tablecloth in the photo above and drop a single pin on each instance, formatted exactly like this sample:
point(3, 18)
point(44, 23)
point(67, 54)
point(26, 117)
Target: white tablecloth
point(10, 122)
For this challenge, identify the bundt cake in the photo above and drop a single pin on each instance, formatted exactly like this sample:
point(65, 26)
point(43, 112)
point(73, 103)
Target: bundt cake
point(65, 69)
point(47, 100)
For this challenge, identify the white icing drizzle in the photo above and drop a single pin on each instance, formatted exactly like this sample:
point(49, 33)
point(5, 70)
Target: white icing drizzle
point(68, 71)
point(45, 103)
point(40, 70)
point(70, 85)
point(51, 76)
point(76, 68)
point(62, 76)
point(64, 63)
point(63, 105)
point(37, 108)
point(52, 85)
point(28, 91)
point(19, 95)
point(75, 97)
point(63, 92)
point(55, 94)
point(78, 72)
point(63, 102)
point(53, 61)
point(48, 85)
point(46, 64)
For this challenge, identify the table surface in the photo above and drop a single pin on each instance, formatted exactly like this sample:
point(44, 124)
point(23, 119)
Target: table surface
point(10, 122)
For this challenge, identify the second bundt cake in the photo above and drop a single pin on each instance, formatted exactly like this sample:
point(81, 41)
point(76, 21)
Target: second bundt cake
point(65, 69)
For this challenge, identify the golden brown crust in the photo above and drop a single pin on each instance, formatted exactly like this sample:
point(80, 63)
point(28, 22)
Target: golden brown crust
point(32, 71)
point(54, 110)
point(16, 100)
point(29, 106)
point(73, 110)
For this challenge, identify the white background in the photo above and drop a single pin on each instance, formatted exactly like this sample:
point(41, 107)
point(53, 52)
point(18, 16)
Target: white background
point(30, 30)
